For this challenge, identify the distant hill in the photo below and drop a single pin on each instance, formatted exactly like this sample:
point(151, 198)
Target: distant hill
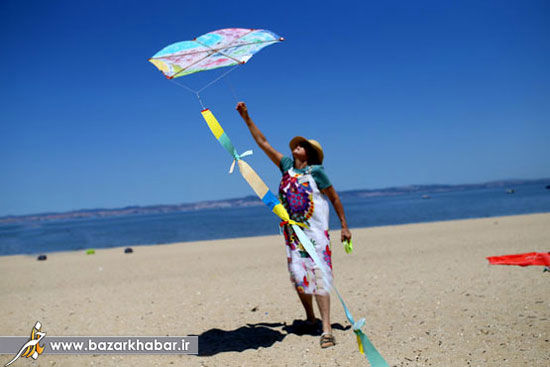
point(402, 190)
point(248, 201)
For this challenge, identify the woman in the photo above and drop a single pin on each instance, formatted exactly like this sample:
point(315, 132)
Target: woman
point(303, 191)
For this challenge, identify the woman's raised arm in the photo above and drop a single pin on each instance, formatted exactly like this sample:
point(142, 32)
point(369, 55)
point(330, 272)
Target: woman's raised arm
point(260, 139)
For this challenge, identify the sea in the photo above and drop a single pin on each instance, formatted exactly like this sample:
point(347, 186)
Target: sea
point(42, 237)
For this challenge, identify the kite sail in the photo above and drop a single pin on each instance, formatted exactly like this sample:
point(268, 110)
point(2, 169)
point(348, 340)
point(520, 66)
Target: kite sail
point(224, 47)
point(235, 46)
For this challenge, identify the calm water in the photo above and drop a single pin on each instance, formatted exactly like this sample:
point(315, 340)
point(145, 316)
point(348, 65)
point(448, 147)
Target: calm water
point(52, 236)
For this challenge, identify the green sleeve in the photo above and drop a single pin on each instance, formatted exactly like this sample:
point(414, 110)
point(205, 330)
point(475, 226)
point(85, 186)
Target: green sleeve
point(320, 177)
point(286, 164)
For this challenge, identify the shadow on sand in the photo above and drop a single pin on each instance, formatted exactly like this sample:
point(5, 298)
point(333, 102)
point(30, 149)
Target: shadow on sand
point(254, 336)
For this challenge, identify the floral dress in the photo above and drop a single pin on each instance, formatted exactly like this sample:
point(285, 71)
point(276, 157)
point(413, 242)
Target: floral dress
point(300, 194)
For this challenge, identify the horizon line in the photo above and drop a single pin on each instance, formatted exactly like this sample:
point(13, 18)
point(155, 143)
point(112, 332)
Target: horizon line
point(502, 181)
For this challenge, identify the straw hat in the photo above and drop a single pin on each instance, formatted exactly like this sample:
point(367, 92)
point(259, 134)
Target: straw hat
point(314, 144)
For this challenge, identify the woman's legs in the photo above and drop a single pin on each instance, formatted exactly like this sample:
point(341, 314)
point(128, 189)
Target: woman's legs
point(323, 301)
point(307, 302)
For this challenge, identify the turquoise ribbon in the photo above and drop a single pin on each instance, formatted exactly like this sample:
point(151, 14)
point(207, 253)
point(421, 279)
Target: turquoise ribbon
point(236, 157)
point(374, 357)
point(228, 145)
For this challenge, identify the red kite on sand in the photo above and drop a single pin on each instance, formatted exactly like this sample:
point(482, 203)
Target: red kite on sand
point(530, 258)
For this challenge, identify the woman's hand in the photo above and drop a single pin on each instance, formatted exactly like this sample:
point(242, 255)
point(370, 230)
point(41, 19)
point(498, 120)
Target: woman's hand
point(260, 139)
point(345, 235)
point(331, 193)
point(243, 110)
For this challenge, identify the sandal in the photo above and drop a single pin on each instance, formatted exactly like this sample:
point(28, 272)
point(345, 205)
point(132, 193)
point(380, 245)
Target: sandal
point(327, 340)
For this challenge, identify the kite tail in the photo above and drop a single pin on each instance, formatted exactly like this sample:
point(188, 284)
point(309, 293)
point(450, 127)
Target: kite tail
point(257, 184)
point(222, 137)
point(263, 192)
point(363, 342)
point(365, 345)
point(269, 199)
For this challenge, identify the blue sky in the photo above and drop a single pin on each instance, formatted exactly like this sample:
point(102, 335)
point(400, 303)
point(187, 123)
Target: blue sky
point(398, 93)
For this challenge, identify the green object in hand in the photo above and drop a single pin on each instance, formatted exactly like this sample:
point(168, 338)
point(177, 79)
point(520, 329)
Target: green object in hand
point(348, 246)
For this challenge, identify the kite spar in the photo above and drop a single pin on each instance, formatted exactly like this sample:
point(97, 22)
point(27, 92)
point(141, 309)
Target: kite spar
point(233, 47)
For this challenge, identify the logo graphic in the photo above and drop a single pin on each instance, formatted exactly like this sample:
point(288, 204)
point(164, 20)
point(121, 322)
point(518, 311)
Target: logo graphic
point(31, 348)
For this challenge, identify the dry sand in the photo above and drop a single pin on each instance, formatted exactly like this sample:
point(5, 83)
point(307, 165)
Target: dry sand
point(426, 290)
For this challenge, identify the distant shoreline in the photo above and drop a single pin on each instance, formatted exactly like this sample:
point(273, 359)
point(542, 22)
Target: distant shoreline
point(333, 233)
point(249, 201)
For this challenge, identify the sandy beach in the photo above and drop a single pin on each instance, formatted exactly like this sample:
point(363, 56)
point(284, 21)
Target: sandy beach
point(426, 290)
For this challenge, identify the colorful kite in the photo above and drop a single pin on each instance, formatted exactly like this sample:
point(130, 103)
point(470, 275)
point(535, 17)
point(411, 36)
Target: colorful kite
point(232, 47)
point(224, 47)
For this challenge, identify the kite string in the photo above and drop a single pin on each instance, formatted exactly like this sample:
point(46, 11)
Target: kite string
point(218, 78)
point(200, 101)
point(183, 86)
point(226, 80)
point(197, 92)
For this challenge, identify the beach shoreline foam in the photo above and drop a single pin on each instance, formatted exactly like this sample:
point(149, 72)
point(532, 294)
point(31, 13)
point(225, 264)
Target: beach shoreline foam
point(426, 291)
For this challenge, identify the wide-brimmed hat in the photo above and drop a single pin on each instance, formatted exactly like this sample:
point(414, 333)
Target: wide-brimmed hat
point(314, 144)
